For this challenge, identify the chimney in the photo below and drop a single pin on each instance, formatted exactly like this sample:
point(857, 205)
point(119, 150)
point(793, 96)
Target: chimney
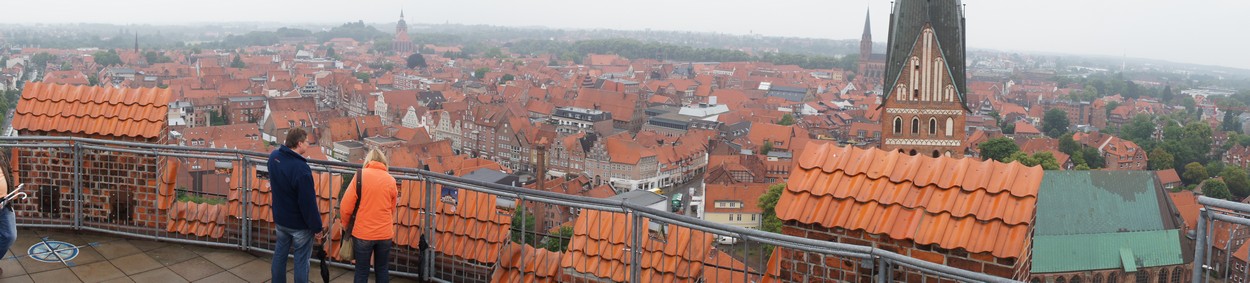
point(540, 149)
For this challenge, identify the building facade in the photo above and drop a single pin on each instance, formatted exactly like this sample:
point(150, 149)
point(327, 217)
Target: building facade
point(923, 106)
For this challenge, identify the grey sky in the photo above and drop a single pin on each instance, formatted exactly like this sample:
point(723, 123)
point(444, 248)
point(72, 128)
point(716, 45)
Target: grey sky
point(1203, 32)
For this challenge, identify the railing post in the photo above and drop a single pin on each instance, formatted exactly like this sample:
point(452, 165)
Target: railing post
point(883, 270)
point(77, 185)
point(1199, 252)
point(428, 230)
point(245, 205)
point(521, 207)
point(635, 263)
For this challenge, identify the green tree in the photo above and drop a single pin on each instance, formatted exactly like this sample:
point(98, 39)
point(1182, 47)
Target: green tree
point(1194, 173)
point(494, 52)
point(1056, 123)
point(415, 60)
point(1216, 189)
point(330, 52)
point(480, 72)
point(217, 119)
point(523, 223)
point(66, 66)
point(109, 58)
point(1160, 159)
point(1068, 145)
point(1081, 167)
point(237, 62)
point(768, 146)
point(1166, 95)
point(786, 120)
point(997, 148)
point(1044, 159)
point(363, 77)
point(92, 80)
point(768, 206)
point(506, 78)
point(1092, 157)
point(1237, 180)
point(560, 241)
point(1139, 130)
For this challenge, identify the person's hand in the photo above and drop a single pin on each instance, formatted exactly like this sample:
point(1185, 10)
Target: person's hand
point(320, 236)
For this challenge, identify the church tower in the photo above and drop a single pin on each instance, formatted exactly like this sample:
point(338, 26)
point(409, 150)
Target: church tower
point(402, 44)
point(865, 41)
point(871, 66)
point(923, 107)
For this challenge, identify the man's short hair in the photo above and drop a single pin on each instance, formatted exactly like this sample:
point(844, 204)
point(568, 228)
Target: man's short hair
point(294, 137)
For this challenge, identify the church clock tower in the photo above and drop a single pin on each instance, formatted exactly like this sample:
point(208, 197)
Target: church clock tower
point(923, 104)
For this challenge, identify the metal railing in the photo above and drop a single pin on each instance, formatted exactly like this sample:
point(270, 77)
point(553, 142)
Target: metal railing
point(1223, 227)
point(738, 254)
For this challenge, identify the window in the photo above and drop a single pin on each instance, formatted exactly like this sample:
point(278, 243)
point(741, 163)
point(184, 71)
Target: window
point(1163, 275)
point(1075, 279)
point(950, 126)
point(1141, 276)
point(1061, 280)
point(1176, 275)
point(932, 126)
point(915, 125)
point(1113, 278)
point(1097, 278)
point(898, 125)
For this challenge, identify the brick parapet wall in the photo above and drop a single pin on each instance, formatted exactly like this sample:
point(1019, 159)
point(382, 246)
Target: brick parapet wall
point(799, 266)
point(116, 187)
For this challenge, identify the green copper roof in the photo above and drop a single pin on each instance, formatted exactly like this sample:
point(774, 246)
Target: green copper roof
point(1124, 251)
point(1092, 202)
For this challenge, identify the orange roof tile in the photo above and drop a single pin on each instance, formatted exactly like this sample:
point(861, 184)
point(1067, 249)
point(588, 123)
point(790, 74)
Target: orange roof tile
point(124, 112)
point(601, 241)
point(1187, 204)
point(981, 206)
point(540, 265)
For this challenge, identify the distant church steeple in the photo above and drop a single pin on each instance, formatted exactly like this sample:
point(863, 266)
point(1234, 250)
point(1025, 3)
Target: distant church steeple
point(865, 42)
point(136, 42)
point(402, 43)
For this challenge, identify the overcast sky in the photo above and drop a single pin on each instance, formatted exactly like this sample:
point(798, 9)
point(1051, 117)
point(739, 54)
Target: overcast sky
point(1204, 32)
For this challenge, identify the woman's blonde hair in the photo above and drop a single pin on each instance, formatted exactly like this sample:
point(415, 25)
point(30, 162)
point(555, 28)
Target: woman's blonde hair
point(376, 155)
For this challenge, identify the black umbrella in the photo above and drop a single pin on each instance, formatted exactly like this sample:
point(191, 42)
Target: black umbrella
point(325, 263)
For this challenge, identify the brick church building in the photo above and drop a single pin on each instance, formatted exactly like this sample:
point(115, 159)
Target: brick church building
point(923, 104)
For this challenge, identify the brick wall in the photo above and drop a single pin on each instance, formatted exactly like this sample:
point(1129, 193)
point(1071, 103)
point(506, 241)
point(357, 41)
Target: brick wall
point(1169, 273)
point(116, 187)
point(798, 266)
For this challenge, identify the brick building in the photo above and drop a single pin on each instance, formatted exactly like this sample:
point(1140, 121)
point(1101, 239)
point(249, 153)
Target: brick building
point(924, 103)
point(111, 181)
point(1116, 226)
point(978, 218)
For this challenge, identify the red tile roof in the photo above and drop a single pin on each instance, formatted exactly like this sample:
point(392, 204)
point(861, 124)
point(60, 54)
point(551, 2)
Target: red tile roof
point(980, 206)
point(601, 243)
point(1187, 204)
point(122, 112)
point(540, 265)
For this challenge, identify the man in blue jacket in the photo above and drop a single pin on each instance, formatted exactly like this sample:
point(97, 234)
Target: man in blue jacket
point(294, 206)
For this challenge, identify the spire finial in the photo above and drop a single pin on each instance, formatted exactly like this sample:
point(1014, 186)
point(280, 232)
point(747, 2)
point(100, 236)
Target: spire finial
point(401, 13)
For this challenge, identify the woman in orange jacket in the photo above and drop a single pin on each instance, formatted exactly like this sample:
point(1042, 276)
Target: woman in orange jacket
point(375, 218)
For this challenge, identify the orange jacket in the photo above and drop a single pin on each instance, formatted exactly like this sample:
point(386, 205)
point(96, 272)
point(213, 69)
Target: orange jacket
point(376, 220)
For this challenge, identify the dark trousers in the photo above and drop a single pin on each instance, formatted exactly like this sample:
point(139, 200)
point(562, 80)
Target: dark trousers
point(381, 251)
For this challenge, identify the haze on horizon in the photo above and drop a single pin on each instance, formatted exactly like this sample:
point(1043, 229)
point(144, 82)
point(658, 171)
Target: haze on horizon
point(1199, 32)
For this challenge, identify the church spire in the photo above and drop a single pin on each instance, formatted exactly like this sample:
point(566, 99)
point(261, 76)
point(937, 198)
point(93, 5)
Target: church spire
point(401, 14)
point(868, 24)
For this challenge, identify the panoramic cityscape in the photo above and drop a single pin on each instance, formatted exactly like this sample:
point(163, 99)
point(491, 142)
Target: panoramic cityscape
point(876, 141)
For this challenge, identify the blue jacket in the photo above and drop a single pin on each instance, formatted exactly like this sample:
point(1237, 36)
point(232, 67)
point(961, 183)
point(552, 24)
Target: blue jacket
point(294, 196)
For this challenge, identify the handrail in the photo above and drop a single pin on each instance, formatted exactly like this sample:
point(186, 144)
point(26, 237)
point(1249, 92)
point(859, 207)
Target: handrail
point(782, 240)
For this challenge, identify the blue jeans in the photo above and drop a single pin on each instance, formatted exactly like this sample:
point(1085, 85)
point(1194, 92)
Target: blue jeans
point(8, 230)
point(302, 241)
point(381, 250)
